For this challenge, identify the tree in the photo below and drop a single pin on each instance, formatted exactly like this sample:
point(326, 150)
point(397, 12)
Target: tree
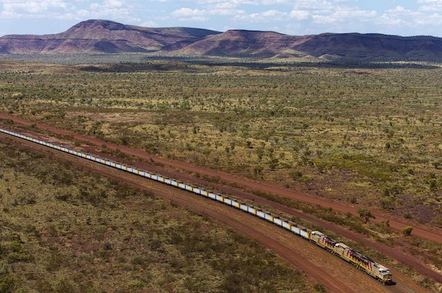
point(319, 288)
point(366, 215)
point(407, 231)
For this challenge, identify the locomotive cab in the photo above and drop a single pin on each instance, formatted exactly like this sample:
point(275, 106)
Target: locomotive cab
point(383, 274)
point(386, 276)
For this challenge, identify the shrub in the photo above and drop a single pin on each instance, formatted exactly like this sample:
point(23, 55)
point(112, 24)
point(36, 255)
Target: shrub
point(407, 231)
point(365, 214)
point(7, 283)
point(319, 288)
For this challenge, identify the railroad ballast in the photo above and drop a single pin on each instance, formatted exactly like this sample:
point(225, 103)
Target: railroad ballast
point(341, 250)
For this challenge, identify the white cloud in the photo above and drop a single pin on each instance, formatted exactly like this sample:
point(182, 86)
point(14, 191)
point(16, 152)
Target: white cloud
point(16, 8)
point(311, 16)
point(300, 14)
point(265, 16)
point(295, 16)
point(186, 13)
point(330, 12)
point(244, 2)
point(70, 10)
point(111, 8)
point(424, 16)
point(226, 9)
point(430, 5)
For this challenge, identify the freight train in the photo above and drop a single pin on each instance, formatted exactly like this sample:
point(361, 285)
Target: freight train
point(341, 250)
point(362, 262)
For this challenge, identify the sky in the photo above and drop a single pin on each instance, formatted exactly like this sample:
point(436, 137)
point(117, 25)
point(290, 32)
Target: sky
point(295, 17)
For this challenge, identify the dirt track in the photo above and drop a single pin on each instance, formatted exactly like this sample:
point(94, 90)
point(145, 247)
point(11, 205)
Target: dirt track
point(173, 169)
point(319, 265)
point(396, 223)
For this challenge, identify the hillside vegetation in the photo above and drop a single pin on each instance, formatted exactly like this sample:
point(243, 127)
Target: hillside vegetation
point(108, 37)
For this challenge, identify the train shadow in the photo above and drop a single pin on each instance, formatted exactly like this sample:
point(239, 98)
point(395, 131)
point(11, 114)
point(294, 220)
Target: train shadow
point(390, 284)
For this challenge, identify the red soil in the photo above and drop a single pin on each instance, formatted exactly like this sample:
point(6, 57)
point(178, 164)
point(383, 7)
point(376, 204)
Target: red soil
point(320, 266)
point(396, 223)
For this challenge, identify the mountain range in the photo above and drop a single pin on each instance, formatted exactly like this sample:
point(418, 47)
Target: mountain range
point(102, 36)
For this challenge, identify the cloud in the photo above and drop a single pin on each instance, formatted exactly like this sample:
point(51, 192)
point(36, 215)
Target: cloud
point(265, 16)
point(17, 8)
point(430, 5)
point(428, 14)
point(186, 13)
point(313, 16)
point(111, 8)
point(300, 14)
point(321, 12)
point(63, 9)
point(244, 2)
point(294, 16)
point(223, 9)
point(330, 12)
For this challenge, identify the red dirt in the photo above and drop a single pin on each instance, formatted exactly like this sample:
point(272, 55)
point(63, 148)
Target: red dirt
point(395, 252)
point(320, 266)
point(164, 168)
point(396, 223)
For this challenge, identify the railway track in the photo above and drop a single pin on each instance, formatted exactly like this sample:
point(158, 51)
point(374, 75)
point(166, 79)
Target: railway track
point(244, 183)
point(282, 222)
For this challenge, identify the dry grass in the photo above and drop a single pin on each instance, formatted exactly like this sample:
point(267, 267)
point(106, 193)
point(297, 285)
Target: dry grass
point(64, 230)
point(364, 136)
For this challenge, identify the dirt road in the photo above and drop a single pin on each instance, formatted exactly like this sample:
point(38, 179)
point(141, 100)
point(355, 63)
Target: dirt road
point(396, 223)
point(335, 274)
point(159, 165)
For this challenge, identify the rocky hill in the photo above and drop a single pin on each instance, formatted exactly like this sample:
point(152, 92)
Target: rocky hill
point(101, 36)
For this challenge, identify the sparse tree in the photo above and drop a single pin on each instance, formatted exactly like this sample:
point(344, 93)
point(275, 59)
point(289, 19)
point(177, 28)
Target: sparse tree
point(365, 215)
point(407, 231)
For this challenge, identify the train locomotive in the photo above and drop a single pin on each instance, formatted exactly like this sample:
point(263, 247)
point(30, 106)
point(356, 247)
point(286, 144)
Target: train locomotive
point(362, 262)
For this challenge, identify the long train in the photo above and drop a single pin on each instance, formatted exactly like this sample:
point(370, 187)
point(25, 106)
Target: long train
point(343, 251)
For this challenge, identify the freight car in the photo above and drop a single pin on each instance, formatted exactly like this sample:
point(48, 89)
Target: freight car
point(341, 250)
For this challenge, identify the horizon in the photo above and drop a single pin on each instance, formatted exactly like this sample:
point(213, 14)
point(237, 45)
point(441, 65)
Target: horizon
point(222, 31)
point(292, 17)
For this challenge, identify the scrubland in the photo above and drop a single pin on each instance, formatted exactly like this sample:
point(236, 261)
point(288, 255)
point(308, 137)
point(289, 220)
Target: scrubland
point(64, 229)
point(364, 136)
